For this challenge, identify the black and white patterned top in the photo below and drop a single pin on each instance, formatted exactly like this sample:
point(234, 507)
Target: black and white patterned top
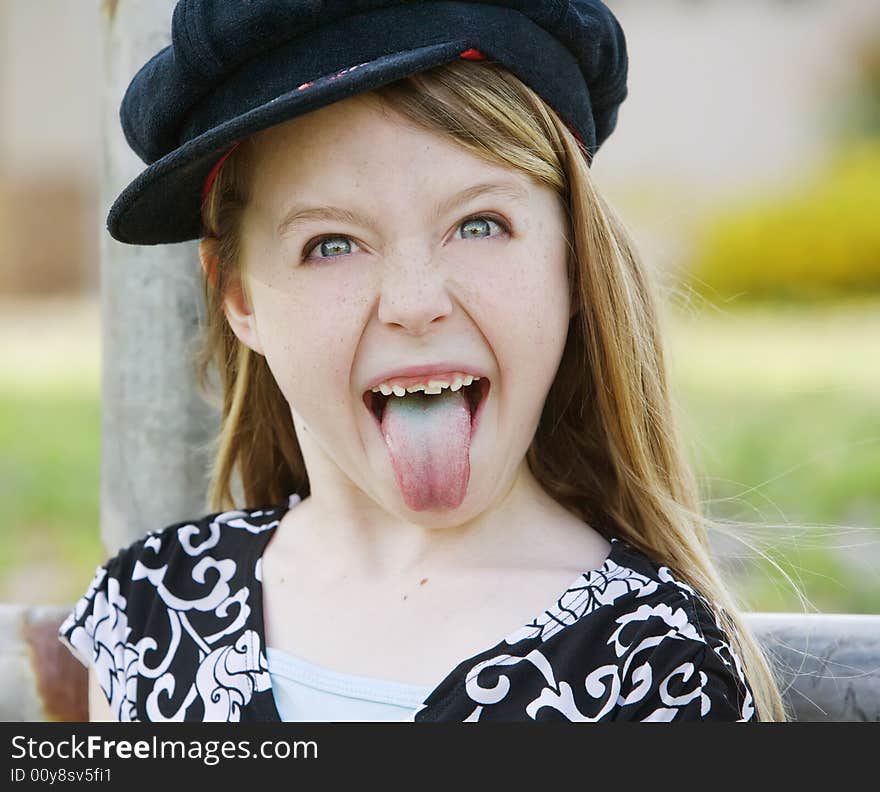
point(174, 627)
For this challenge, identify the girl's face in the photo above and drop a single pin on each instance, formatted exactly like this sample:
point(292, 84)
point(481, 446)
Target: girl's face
point(372, 245)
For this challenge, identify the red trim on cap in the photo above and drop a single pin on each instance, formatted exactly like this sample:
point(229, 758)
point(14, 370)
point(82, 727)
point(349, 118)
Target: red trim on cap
point(472, 54)
point(579, 139)
point(215, 170)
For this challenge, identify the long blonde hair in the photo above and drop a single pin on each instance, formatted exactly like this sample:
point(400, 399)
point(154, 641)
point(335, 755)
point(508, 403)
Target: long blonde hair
point(607, 446)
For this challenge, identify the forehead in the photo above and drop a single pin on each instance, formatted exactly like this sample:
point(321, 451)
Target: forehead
point(329, 120)
point(355, 144)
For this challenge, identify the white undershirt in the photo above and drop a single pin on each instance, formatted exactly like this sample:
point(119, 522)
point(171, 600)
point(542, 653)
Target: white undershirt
point(307, 692)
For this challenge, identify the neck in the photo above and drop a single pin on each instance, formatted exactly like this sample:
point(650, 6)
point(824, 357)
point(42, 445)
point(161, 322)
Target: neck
point(364, 539)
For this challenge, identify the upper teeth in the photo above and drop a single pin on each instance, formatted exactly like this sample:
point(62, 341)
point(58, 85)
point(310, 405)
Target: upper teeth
point(434, 386)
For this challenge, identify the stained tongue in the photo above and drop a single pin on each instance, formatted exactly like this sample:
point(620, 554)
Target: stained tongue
point(428, 439)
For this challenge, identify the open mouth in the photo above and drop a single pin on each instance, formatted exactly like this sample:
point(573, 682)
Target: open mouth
point(475, 393)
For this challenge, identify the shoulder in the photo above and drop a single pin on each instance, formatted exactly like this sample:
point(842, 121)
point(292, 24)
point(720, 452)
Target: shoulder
point(627, 641)
point(185, 551)
point(650, 647)
point(155, 610)
point(180, 554)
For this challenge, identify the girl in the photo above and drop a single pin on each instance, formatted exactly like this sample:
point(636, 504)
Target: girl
point(444, 393)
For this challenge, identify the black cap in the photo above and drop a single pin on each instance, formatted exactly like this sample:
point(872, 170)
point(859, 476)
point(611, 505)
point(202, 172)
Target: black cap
point(234, 68)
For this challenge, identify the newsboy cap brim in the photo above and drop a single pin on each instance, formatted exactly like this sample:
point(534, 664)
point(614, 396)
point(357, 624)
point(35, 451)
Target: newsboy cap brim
point(234, 69)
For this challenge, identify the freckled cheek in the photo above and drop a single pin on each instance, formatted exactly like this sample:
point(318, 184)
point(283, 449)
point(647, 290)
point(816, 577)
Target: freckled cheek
point(526, 299)
point(522, 311)
point(310, 340)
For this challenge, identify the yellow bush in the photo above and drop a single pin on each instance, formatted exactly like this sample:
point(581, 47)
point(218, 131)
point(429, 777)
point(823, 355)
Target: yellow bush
point(820, 242)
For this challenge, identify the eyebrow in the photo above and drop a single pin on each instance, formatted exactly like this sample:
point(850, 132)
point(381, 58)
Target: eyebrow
point(299, 214)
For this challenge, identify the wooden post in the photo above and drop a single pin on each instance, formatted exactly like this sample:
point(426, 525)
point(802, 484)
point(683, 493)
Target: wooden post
point(156, 428)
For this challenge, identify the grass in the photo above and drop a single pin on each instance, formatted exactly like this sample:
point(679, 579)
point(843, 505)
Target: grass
point(49, 485)
point(780, 410)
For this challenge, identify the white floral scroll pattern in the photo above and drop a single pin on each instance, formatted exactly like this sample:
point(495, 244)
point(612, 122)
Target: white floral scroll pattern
point(102, 639)
point(721, 647)
point(227, 675)
point(589, 591)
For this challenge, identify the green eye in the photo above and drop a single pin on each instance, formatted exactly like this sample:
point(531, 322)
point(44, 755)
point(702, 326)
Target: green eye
point(331, 246)
point(473, 227)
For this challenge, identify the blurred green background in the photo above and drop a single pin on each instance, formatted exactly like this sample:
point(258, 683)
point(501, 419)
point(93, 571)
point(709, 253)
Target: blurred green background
point(753, 187)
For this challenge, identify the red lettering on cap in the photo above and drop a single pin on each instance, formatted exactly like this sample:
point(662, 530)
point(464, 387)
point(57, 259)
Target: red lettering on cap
point(472, 54)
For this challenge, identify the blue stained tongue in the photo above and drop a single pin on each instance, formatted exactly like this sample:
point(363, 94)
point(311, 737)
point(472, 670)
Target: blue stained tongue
point(428, 439)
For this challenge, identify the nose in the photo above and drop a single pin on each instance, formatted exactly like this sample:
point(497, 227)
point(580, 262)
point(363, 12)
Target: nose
point(413, 293)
